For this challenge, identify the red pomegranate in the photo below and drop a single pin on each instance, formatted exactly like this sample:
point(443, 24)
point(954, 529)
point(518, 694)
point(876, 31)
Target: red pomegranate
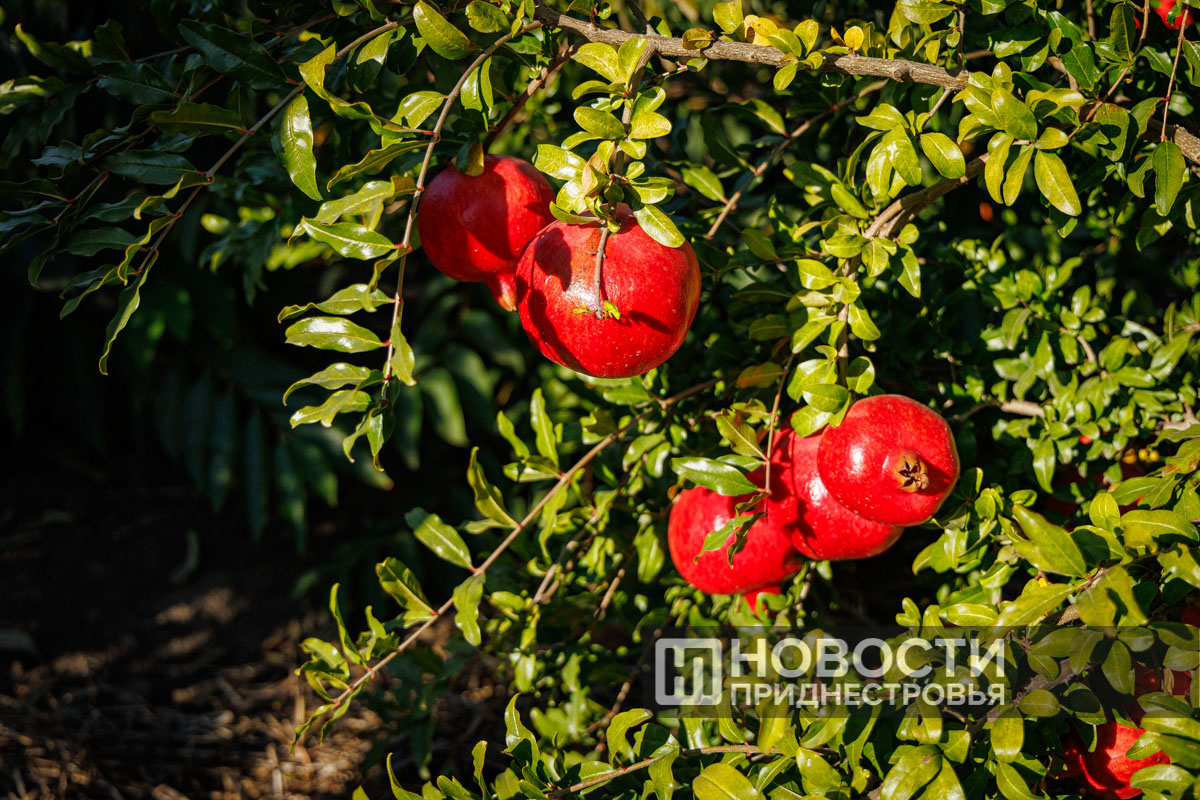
point(766, 560)
point(655, 290)
point(474, 228)
point(1182, 19)
point(1106, 771)
point(754, 597)
point(824, 529)
point(892, 460)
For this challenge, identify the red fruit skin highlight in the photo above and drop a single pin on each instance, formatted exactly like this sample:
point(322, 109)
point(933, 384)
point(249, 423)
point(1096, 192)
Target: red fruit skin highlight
point(1183, 19)
point(892, 460)
point(824, 529)
point(767, 559)
point(655, 288)
point(1106, 771)
point(475, 227)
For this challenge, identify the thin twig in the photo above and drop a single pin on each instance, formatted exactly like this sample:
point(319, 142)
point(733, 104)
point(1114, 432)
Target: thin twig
point(888, 68)
point(529, 92)
point(631, 90)
point(748, 749)
point(771, 425)
point(601, 246)
point(777, 151)
point(891, 68)
point(211, 172)
point(562, 483)
point(1171, 80)
point(406, 244)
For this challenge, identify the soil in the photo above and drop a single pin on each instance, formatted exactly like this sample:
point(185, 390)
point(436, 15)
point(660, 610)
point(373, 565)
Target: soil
point(148, 649)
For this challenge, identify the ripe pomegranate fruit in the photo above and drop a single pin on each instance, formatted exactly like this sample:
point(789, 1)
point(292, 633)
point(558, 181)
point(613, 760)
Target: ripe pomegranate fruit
point(752, 598)
point(1182, 19)
point(824, 529)
point(892, 460)
point(474, 227)
point(1106, 771)
point(654, 288)
point(765, 561)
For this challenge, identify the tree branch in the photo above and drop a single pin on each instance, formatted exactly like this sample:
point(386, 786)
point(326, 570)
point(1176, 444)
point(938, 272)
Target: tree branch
point(891, 68)
point(563, 482)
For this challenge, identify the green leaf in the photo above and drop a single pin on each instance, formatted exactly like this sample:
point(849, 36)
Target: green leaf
point(1036, 601)
point(861, 324)
point(127, 303)
point(1015, 178)
point(398, 581)
point(416, 107)
point(617, 734)
point(599, 123)
point(374, 161)
point(140, 84)
point(1147, 525)
point(439, 537)
point(659, 226)
point(1104, 512)
point(445, 39)
point(601, 58)
point(721, 781)
point(348, 239)
point(1169, 169)
point(403, 359)
point(543, 428)
point(728, 15)
point(1080, 64)
point(1122, 31)
point(1181, 563)
point(466, 598)
point(629, 55)
point(485, 17)
point(718, 476)
point(648, 124)
point(902, 155)
point(924, 12)
point(232, 54)
point(944, 154)
point(1058, 551)
point(332, 333)
point(57, 56)
point(487, 497)
point(1010, 783)
point(1039, 703)
point(335, 376)
point(149, 166)
point(295, 137)
point(1054, 183)
point(352, 299)
point(365, 201)
point(911, 773)
point(201, 118)
point(346, 400)
point(827, 397)
point(993, 170)
point(1015, 117)
point(558, 163)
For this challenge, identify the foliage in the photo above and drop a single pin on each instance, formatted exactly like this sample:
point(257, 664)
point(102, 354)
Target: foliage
point(987, 206)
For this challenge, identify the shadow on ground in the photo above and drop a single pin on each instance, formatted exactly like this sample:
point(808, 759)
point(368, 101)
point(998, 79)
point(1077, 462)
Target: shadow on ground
point(148, 649)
